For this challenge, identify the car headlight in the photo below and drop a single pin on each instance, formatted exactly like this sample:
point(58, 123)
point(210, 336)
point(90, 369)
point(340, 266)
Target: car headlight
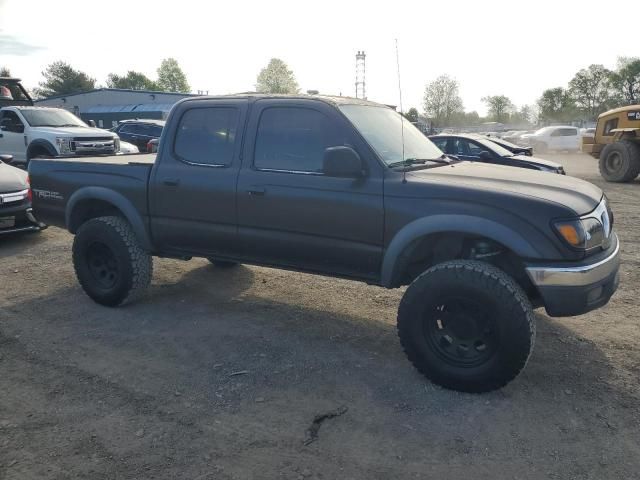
point(63, 144)
point(590, 231)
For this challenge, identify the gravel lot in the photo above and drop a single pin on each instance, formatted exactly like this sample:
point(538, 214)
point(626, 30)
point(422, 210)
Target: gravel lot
point(219, 374)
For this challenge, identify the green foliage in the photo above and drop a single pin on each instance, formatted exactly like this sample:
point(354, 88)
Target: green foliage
point(276, 78)
point(442, 102)
point(626, 79)
point(132, 80)
point(61, 79)
point(499, 108)
point(411, 115)
point(527, 115)
point(171, 78)
point(592, 91)
point(556, 105)
point(4, 72)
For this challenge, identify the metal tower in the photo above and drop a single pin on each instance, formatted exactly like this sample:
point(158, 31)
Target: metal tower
point(360, 75)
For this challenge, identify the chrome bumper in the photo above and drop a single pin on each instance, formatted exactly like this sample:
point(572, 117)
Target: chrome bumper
point(578, 276)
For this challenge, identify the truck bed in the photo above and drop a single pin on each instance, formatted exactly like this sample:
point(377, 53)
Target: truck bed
point(64, 179)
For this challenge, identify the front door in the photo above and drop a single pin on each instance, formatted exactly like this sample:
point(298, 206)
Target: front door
point(12, 140)
point(193, 187)
point(289, 212)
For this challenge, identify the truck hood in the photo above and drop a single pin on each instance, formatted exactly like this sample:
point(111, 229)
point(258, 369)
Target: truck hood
point(75, 132)
point(12, 179)
point(580, 196)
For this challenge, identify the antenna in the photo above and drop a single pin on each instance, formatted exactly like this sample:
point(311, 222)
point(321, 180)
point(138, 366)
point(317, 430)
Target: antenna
point(404, 171)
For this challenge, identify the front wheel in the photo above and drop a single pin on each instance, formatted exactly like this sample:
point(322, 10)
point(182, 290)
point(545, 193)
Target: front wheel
point(466, 325)
point(620, 161)
point(110, 264)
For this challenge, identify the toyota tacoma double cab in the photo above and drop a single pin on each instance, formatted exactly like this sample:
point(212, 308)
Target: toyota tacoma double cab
point(346, 188)
point(28, 132)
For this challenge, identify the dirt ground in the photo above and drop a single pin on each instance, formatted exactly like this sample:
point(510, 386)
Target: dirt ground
point(219, 374)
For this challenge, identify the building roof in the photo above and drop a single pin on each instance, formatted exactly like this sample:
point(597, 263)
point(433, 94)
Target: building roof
point(125, 90)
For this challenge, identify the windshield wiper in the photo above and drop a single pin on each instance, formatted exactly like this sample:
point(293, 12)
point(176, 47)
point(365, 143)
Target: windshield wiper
point(407, 162)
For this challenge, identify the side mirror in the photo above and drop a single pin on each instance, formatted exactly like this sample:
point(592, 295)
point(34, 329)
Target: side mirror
point(484, 155)
point(8, 159)
point(91, 123)
point(342, 162)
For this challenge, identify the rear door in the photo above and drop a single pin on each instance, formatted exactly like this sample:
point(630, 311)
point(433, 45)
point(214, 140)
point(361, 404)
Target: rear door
point(289, 212)
point(193, 185)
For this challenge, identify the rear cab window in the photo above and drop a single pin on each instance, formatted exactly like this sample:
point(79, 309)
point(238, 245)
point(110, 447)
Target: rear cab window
point(207, 136)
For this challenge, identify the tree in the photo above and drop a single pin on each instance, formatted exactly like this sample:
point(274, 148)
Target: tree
point(4, 72)
point(132, 80)
point(626, 79)
point(442, 100)
point(499, 106)
point(525, 115)
point(592, 91)
point(61, 79)
point(171, 78)
point(556, 104)
point(276, 78)
point(411, 115)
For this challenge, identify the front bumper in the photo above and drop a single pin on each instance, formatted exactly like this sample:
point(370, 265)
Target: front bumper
point(574, 289)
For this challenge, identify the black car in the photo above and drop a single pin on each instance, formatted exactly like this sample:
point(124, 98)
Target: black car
point(512, 147)
point(139, 132)
point(481, 149)
point(16, 214)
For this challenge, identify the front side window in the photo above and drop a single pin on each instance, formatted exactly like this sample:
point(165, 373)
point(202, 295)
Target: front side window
point(10, 120)
point(206, 136)
point(568, 132)
point(292, 139)
point(608, 126)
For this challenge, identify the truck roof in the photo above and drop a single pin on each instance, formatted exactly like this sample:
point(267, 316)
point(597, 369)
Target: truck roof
point(619, 110)
point(331, 99)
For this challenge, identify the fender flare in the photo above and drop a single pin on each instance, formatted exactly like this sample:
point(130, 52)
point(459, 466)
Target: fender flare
point(47, 145)
point(450, 223)
point(117, 200)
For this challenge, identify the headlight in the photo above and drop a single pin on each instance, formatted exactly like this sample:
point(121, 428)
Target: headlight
point(64, 144)
point(589, 231)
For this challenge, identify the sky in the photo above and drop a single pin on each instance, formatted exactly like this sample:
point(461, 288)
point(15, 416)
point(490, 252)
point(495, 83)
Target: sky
point(513, 48)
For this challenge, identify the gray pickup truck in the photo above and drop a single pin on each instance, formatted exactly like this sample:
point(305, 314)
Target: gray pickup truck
point(336, 186)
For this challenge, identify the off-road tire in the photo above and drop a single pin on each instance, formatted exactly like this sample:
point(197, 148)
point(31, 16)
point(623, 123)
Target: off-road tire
point(513, 320)
point(628, 167)
point(133, 266)
point(222, 263)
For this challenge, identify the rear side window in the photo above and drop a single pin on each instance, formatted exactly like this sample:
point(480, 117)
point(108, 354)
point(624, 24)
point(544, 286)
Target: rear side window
point(608, 126)
point(206, 136)
point(292, 139)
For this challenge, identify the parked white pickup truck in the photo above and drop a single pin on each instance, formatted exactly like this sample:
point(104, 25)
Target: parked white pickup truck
point(28, 132)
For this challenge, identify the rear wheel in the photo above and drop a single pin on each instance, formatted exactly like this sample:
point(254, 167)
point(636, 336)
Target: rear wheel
point(110, 264)
point(620, 161)
point(466, 325)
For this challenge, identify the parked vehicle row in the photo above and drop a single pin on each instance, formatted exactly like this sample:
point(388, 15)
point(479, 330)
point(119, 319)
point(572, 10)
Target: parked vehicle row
point(336, 186)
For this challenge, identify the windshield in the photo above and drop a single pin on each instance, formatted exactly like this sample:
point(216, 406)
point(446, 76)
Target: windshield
point(51, 118)
point(381, 128)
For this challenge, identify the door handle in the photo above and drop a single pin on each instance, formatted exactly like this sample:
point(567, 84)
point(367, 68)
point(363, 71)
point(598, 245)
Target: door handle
point(257, 191)
point(171, 182)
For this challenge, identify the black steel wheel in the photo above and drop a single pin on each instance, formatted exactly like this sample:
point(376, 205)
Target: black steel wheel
point(466, 325)
point(110, 264)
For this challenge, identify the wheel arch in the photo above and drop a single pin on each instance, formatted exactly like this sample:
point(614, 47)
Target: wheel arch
point(399, 253)
point(91, 202)
point(40, 144)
